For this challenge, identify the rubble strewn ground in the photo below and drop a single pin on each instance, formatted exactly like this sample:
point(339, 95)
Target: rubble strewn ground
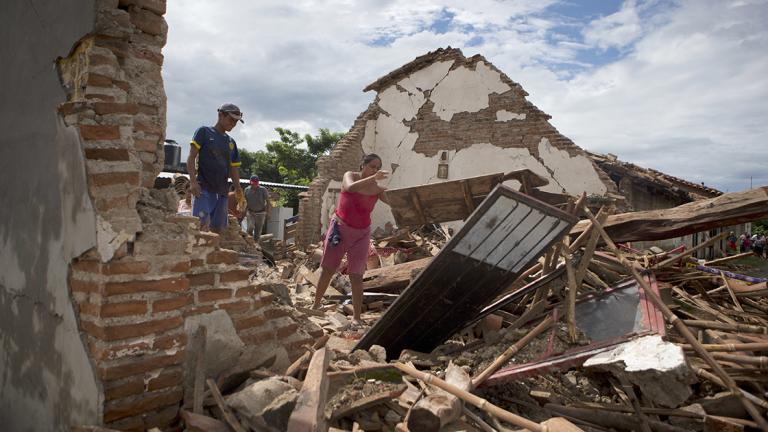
point(650, 389)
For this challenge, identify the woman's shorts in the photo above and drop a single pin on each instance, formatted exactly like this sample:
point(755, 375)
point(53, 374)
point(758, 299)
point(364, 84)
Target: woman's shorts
point(355, 242)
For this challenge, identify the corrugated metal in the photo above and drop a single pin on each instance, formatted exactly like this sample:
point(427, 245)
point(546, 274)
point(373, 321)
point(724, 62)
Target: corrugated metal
point(504, 235)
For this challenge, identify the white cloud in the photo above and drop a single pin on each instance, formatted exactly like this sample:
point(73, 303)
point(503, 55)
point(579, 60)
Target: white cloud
point(682, 84)
point(616, 30)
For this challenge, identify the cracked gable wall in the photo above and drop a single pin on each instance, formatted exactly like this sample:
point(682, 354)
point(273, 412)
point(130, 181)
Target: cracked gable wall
point(477, 116)
point(47, 219)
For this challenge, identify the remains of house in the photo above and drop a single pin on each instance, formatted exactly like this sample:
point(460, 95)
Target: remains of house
point(513, 293)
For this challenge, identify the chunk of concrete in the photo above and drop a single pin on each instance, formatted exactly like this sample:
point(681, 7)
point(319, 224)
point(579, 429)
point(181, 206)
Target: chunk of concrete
point(265, 405)
point(223, 347)
point(658, 368)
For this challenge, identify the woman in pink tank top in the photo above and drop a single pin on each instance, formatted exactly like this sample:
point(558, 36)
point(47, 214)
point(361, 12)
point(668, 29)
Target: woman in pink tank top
point(350, 229)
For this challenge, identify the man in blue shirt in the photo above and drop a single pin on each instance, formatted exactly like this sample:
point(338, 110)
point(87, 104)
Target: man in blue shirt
point(213, 157)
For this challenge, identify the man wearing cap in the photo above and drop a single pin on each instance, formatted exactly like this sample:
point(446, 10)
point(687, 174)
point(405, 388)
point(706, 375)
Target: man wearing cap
point(213, 157)
point(257, 208)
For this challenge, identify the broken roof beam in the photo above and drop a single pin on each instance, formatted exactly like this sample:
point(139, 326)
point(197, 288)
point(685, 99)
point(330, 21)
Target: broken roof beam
point(725, 210)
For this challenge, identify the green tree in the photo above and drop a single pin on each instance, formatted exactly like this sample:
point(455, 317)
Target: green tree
point(291, 159)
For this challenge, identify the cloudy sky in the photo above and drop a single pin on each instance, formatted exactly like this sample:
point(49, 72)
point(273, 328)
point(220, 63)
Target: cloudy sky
point(679, 86)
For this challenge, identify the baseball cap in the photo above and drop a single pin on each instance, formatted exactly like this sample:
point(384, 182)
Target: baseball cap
point(233, 111)
point(254, 178)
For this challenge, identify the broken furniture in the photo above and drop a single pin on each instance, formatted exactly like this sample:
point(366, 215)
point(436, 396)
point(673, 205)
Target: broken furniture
point(451, 200)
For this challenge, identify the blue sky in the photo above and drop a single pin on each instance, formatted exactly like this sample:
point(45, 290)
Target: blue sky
point(679, 86)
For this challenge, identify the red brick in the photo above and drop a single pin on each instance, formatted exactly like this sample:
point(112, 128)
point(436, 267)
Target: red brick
point(115, 108)
point(207, 239)
point(162, 419)
point(196, 262)
point(112, 352)
point(87, 266)
point(89, 308)
point(148, 22)
point(170, 341)
point(101, 97)
point(213, 295)
point(234, 307)
point(130, 424)
point(199, 310)
point(122, 85)
point(146, 145)
point(113, 178)
point(177, 267)
point(126, 267)
point(127, 331)
point(140, 365)
point(128, 388)
point(67, 108)
point(107, 204)
point(273, 313)
point(78, 285)
point(258, 338)
point(156, 6)
point(148, 109)
point(143, 126)
point(149, 55)
point(137, 307)
point(201, 279)
point(107, 154)
point(248, 291)
point(164, 380)
point(234, 275)
point(171, 304)
point(253, 321)
point(97, 80)
point(222, 256)
point(162, 285)
point(287, 330)
point(116, 410)
point(99, 132)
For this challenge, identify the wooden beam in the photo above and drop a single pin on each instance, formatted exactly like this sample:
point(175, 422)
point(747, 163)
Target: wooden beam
point(416, 201)
point(199, 383)
point(229, 417)
point(725, 210)
point(365, 403)
point(440, 408)
point(468, 197)
point(392, 278)
point(308, 414)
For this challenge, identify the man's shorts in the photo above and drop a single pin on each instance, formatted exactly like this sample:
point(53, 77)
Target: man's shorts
point(354, 242)
point(211, 208)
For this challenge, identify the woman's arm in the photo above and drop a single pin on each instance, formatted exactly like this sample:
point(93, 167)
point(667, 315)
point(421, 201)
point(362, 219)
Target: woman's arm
point(349, 183)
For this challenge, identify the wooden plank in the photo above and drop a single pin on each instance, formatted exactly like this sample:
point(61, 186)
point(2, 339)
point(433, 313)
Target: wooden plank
point(468, 197)
point(199, 383)
point(308, 414)
point(455, 287)
point(439, 202)
point(366, 402)
point(229, 417)
point(392, 278)
point(725, 210)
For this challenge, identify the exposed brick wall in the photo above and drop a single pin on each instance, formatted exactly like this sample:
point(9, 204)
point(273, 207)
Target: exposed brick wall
point(152, 269)
point(464, 130)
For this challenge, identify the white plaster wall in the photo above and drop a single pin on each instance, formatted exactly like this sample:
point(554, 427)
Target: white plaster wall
point(575, 174)
point(465, 90)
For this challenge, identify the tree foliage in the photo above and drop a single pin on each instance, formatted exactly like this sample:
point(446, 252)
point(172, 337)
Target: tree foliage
point(290, 159)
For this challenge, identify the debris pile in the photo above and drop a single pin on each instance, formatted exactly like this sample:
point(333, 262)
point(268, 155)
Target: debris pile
point(585, 335)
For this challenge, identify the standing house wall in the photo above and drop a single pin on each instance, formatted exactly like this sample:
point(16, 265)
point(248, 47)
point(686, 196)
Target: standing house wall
point(101, 281)
point(445, 106)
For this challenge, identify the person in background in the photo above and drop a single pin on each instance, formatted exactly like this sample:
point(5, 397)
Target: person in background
point(349, 231)
point(213, 157)
point(257, 207)
point(730, 243)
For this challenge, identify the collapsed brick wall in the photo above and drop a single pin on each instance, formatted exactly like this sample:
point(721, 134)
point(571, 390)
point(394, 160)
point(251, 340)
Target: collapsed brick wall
point(152, 269)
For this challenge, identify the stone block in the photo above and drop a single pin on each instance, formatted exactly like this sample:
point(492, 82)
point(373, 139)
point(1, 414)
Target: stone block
point(265, 405)
point(657, 367)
